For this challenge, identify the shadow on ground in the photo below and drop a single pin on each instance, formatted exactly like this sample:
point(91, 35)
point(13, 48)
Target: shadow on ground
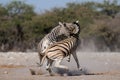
point(63, 72)
point(73, 72)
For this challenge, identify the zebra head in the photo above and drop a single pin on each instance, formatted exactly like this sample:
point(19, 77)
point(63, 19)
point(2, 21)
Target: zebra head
point(64, 29)
point(69, 28)
point(76, 30)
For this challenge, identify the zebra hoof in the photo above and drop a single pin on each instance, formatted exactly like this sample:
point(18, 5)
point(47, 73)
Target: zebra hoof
point(66, 68)
point(80, 69)
point(39, 65)
point(53, 74)
point(47, 69)
point(68, 60)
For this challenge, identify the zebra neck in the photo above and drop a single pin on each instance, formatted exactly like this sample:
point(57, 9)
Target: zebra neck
point(53, 35)
point(75, 36)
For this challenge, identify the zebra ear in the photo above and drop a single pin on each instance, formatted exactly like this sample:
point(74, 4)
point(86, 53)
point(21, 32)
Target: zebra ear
point(76, 22)
point(60, 23)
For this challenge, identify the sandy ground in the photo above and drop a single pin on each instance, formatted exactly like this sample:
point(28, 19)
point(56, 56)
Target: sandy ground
point(96, 66)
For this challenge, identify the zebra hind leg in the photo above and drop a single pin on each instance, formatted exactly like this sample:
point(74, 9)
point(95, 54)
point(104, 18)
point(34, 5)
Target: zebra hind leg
point(57, 64)
point(49, 64)
point(69, 57)
point(48, 67)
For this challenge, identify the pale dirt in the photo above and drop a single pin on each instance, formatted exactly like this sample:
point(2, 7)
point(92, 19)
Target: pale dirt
point(96, 66)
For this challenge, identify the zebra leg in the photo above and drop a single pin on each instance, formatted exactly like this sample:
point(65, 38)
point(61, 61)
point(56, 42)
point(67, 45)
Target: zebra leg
point(40, 58)
point(76, 59)
point(57, 64)
point(49, 65)
point(69, 57)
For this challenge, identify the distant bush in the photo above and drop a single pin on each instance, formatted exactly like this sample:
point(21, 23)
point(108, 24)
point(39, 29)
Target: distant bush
point(21, 28)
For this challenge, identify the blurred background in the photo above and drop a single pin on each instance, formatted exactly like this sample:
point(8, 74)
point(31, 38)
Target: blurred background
point(23, 23)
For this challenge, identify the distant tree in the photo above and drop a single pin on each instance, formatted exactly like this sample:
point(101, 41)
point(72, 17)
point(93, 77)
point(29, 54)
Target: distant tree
point(21, 28)
point(18, 8)
point(2, 10)
point(110, 8)
point(3, 13)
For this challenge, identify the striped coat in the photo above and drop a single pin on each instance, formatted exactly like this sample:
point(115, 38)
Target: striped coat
point(59, 50)
point(55, 35)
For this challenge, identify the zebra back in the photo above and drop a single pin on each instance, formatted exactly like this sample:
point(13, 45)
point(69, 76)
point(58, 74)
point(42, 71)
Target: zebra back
point(61, 49)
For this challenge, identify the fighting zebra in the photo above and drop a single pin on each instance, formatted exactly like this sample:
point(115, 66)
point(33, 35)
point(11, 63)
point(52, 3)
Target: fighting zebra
point(59, 50)
point(64, 29)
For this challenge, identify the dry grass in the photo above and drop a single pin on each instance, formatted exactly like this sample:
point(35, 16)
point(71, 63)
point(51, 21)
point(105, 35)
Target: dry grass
point(11, 66)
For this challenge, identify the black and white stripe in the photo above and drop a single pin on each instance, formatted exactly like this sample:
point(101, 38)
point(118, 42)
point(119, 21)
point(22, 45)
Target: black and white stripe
point(62, 49)
point(55, 35)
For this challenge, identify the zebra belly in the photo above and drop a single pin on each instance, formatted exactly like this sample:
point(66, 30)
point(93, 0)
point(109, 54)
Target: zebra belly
point(55, 55)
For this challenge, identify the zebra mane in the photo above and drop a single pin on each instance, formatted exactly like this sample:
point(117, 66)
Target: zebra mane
point(76, 22)
point(78, 26)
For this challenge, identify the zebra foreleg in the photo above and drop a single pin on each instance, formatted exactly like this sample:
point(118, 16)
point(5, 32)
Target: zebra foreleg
point(40, 59)
point(76, 59)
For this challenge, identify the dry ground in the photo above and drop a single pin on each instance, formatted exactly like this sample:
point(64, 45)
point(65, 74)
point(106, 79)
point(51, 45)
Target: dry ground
point(96, 66)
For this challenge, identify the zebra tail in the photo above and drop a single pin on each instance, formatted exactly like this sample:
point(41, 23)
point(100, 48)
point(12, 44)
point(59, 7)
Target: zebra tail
point(43, 59)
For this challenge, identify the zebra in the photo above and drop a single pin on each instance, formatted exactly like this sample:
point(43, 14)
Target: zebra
point(59, 50)
point(63, 29)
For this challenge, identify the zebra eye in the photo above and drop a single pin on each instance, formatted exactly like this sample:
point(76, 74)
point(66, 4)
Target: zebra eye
point(71, 29)
point(45, 47)
point(64, 24)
